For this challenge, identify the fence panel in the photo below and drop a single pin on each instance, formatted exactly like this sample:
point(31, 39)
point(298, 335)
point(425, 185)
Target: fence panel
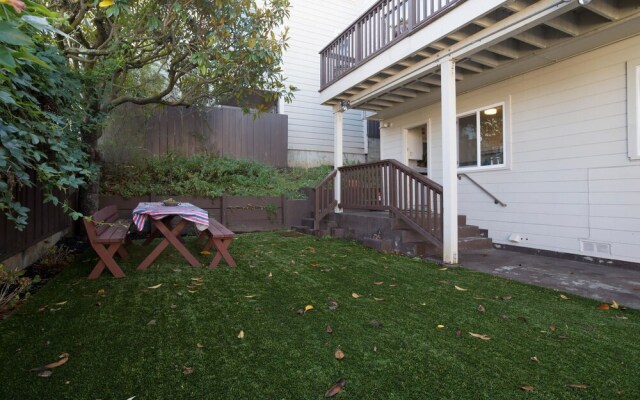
point(139, 131)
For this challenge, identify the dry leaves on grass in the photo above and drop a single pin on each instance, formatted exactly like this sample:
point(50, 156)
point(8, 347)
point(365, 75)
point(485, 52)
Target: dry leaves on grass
point(355, 295)
point(241, 335)
point(336, 388)
point(480, 336)
point(577, 386)
point(527, 388)
point(563, 297)
point(378, 283)
point(460, 288)
point(534, 359)
point(378, 298)
point(332, 304)
point(308, 307)
point(339, 354)
point(155, 286)
point(481, 308)
point(329, 329)
point(187, 370)
point(45, 370)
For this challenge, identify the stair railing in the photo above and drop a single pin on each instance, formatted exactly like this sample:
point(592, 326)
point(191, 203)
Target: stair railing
point(391, 186)
point(325, 199)
point(495, 199)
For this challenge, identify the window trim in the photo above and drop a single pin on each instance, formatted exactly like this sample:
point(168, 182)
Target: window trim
point(506, 136)
point(633, 109)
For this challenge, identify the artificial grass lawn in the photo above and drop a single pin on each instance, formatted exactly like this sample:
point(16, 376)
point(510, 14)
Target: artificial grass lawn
point(115, 353)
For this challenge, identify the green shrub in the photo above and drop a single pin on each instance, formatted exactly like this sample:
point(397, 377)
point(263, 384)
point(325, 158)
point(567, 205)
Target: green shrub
point(12, 284)
point(204, 175)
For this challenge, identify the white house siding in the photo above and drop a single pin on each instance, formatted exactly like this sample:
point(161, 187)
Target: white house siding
point(312, 25)
point(570, 178)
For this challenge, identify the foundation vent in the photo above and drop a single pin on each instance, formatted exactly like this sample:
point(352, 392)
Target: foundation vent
point(587, 246)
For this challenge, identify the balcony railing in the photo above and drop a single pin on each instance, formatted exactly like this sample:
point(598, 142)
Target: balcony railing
point(385, 23)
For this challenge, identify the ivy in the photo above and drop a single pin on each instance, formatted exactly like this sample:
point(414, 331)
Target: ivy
point(40, 115)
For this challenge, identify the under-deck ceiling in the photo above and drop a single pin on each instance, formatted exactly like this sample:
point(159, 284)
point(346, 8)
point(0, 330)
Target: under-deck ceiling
point(484, 66)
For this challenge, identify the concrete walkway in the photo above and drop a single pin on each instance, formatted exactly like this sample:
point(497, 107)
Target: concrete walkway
point(600, 282)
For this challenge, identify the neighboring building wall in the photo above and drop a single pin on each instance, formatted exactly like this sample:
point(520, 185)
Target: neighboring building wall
point(312, 25)
point(570, 178)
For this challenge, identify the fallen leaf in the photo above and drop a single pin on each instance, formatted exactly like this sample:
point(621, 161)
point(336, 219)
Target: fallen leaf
point(460, 289)
point(251, 296)
point(98, 304)
point(440, 326)
point(376, 324)
point(192, 291)
point(443, 269)
point(199, 345)
point(241, 335)
point(375, 349)
point(480, 336)
point(563, 337)
point(614, 305)
point(621, 317)
point(61, 303)
point(578, 386)
point(270, 275)
point(101, 292)
point(481, 308)
point(339, 354)
point(62, 359)
point(45, 374)
point(393, 285)
point(198, 278)
point(152, 322)
point(333, 304)
point(336, 388)
point(205, 252)
point(527, 388)
point(155, 287)
point(314, 264)
point(603, 306)
point(325, 270)
point(308, 307)
point(563, 297)
point(505, 298)
point(187, 370)
point(329, 329)
point(173, 306)
point(355, 295)
point(553, 328)
point(378, 283)
point(458, 333)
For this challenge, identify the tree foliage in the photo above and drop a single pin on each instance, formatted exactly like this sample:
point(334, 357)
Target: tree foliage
point(40, 113)
point(178, 52)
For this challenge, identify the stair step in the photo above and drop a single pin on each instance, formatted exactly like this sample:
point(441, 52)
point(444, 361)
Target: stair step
point(474, 243)
point(468, 231)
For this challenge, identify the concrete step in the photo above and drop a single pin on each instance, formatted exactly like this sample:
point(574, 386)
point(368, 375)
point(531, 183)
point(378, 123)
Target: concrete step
point(468, 231)
point(382, 245)
point(474, 243)
point(337, 232)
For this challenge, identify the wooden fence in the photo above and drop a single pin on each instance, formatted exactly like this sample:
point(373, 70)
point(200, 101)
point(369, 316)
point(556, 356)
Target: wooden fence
point(44, 221)
point(139, 131)
point(238, 213)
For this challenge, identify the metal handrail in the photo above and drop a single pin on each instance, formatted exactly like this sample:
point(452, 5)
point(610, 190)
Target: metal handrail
point(495, 199)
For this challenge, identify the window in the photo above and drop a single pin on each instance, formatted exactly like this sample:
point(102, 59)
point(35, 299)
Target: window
point(481, 138)
point(633, 108)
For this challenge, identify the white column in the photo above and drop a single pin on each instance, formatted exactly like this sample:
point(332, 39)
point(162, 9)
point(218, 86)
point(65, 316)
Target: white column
point(338, 117)
point(449, 163)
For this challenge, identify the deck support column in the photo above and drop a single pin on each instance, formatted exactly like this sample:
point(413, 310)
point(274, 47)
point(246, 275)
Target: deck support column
point(449, 163)
point(338, 119)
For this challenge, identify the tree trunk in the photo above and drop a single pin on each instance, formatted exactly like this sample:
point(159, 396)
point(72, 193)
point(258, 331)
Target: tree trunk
point(88, 200)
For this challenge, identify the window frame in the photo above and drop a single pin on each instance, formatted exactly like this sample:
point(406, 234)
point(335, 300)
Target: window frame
point(633, 109)
point(506, 136)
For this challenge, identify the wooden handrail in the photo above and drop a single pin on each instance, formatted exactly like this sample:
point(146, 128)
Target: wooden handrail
point(381, 26)
point(391, 186)
point(495, 199)
point(325, 200)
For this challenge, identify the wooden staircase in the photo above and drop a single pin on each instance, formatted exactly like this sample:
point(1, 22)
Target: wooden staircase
point(390, 207)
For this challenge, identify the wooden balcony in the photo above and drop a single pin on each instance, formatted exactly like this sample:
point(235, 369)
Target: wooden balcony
point(385, 23)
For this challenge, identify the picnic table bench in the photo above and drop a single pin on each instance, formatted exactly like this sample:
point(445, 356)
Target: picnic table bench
point(221, 237)
point(107, 235)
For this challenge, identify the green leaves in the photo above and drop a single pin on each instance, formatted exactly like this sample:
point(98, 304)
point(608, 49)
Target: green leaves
point(9, 34)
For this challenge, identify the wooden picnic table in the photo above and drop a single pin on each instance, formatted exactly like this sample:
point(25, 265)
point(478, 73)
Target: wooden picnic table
point(160, 216)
